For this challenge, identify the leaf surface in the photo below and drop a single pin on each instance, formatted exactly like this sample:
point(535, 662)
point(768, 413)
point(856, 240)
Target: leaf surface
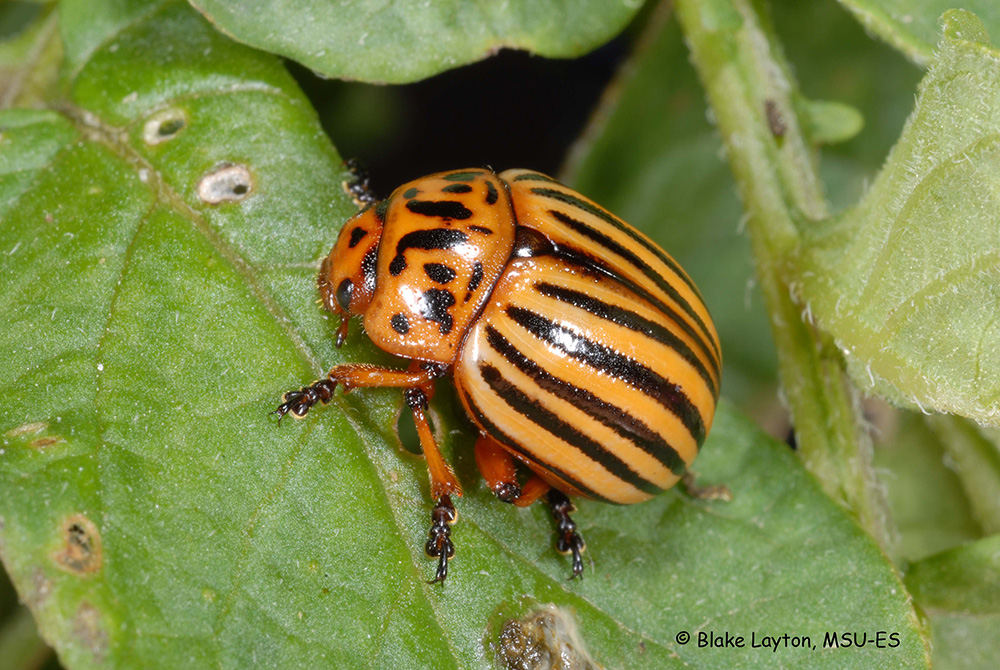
point(152, 516)
point(908, 282)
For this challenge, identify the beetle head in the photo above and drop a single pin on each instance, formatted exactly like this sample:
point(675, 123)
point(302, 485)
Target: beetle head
point(347, 277)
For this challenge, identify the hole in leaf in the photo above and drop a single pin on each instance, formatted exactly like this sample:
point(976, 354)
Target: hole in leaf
point(225, 183)
point(81, 549)
point(164, 125)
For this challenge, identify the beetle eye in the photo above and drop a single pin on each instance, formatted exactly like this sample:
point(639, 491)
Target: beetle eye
point(344, 292)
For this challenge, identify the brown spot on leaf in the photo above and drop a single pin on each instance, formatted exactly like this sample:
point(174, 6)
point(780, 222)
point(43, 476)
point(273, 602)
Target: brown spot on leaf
point(81, 549)
point(89, 631)
point(42, 442)
point(545, 639)
point(225, 183)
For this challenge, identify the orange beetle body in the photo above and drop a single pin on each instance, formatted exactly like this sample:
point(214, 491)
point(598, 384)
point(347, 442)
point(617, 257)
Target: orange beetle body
point(578, 347)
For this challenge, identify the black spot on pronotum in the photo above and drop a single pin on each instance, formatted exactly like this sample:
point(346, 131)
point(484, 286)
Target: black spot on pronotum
point(344, 292)
point(462, 176)
point(225, 183)
point(400, 324)
point(457, 188)
point(429, 240)
point(80, 552)
point(164, 125)
point(434, 307)
point(439, 272)
point(444, 209)
point(357, 235)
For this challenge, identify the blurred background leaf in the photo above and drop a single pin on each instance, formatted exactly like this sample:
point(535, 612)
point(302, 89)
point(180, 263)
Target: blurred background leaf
point(407, 40)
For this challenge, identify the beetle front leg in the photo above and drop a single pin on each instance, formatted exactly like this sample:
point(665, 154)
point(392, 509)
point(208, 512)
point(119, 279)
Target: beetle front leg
point(352, 376)
point(443, 484)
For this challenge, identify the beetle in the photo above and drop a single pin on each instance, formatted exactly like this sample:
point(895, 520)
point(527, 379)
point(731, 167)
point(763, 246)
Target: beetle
point(578, 347)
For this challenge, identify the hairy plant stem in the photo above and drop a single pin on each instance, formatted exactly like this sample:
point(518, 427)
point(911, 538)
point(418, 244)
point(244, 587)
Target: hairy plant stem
point(753, 97)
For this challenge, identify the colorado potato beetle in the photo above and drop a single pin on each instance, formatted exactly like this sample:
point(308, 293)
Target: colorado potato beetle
point(578, 347)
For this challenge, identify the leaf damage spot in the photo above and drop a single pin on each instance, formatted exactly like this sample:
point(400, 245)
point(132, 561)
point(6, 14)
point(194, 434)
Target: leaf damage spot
point(81, 552)
point(87, 627)
point(544, 639)
point(48, 441)
point(163, 126)
point(27, 429)
point(225, 183)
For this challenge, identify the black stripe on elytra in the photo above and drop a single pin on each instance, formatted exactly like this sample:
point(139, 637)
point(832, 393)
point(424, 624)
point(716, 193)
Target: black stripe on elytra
point(430, 240)
point(574, 257)
point(615, 248)
point(506, 440)
point(533, 410)
point(481, 229)
point(614, 364)
point(445, 209)
point(457, 188)
point(439, 272)
point(612, 416)
point(632, 321)
point(357, 235)
point(411, 192)
point(608, 217)
point(462, 176)
point(434, 307)
point(491, 193)
point(535, 176)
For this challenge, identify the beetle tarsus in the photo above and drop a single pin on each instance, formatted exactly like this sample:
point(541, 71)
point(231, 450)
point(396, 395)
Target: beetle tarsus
point(568, 540)
point(298, 403)
point(439, 544)
point(359, 186)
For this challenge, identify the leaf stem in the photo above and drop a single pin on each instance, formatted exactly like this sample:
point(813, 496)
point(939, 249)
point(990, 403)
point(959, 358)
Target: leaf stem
point(753, 96)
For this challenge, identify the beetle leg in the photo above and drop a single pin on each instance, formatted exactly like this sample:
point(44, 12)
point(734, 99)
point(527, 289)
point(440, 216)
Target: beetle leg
point(569, 540)
point(443, 483)
point(439, 544)
point(358, 186)
point(352, 376)
point(689, 482)
point(497, 467)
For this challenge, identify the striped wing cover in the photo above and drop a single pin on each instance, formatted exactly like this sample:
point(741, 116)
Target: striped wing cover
point(587, 379)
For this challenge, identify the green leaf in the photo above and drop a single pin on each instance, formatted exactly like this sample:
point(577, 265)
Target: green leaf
point(912, 25)
point(908, 281)
point(372, 40)
point(914, 460)
point(959, 590)
point(152, 516)
point(30, 55)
